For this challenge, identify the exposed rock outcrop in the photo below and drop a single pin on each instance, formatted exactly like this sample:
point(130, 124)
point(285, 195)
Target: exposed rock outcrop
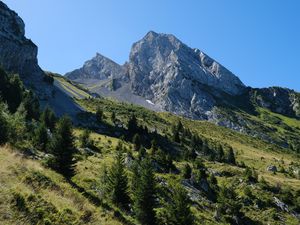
point(98, 68)
point(19, 55)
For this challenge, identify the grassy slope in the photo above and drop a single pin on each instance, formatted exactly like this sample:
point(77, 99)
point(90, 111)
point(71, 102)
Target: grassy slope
point(252, 151)
point(71, 206)
point(46, 195)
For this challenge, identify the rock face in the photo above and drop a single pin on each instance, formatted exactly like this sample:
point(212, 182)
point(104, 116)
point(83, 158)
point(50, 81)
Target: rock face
point(17, 53)
point(163, 74)
point(99, 68)
point(180, 79)
point(279, 100)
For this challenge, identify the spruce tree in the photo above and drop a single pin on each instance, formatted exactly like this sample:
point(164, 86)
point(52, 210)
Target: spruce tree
point(179, 207)
point(220, 153)
point(113, 117)
point(118, 182)
point(40, 137)
point(136, 142)
point(144, 193)
point(85, 140)
point(187, 171)
point(32, 105)
point(48, 118)
point(132, 125)
point(99, 115)
point(3, 124)
point(63, 148)
point(230, 158)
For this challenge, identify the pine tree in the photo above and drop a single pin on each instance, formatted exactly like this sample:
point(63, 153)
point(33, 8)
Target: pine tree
point(176, 135)
point(144, 193)
point(118, 182)
point(48, 118)
point(40, 137)
point(179, 207)
point(99, 115)
point(113, 117)
point(32, 105)
point(154, 147)
point(187, 171)
point(85, 140)
point(63, 148)
point(132, 125)
point(230, 158)
point(136, 142)
point(220, 153)
point(3, 124)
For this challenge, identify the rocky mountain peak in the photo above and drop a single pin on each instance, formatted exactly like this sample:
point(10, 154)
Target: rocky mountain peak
point(99, 68)
point(161, 62)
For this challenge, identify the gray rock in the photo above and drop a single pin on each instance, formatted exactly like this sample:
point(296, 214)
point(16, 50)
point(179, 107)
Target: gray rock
point(98, 68)
point(272, 168)
point(18, 55)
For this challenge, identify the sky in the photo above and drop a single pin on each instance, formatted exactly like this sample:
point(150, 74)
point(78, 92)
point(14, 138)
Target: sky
point(258, 40)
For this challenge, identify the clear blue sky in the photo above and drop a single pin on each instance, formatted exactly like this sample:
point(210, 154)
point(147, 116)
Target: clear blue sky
point(258, 40)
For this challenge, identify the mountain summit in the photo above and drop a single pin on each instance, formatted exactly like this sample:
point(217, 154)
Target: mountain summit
point(162, 74)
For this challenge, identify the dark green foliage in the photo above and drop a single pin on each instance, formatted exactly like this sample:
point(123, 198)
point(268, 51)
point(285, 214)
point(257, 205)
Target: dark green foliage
point(220, 153)
point(144, 193)
point(99, 115)
point(250, 175)
point(62, 148)
point(113, 117)
point(132, 125)
point(176, 135)
point(40, 138)
point(118, 182)
point(4, 129)
point(187, 171)
point(32, 106)
point(230, 158)
point(11, 90)
point(14, 92)
point(136, 140)
point(48, 118)
point(154, 147)
point(228, 202)
point(85, 139)
point(178, 208)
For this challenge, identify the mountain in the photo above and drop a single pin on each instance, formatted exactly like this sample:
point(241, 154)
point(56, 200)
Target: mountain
point(98, 68)
point(116, 156)
point(18, 55)
point(162, 74)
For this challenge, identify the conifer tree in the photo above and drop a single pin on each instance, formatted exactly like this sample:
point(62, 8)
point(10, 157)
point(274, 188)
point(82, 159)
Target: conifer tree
point(144, 193)
point(40, 137)
point(230, 157)
point(113, 117)
point(220, 153)
point(32, 106)
point(118, 182)
point(132, 125)
point(136, 142)
point(99, 114)
point(85, 140)
point(179, 207)
point(48, 118)
point(187, 171)
point(63, 148)
point(3, 124)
